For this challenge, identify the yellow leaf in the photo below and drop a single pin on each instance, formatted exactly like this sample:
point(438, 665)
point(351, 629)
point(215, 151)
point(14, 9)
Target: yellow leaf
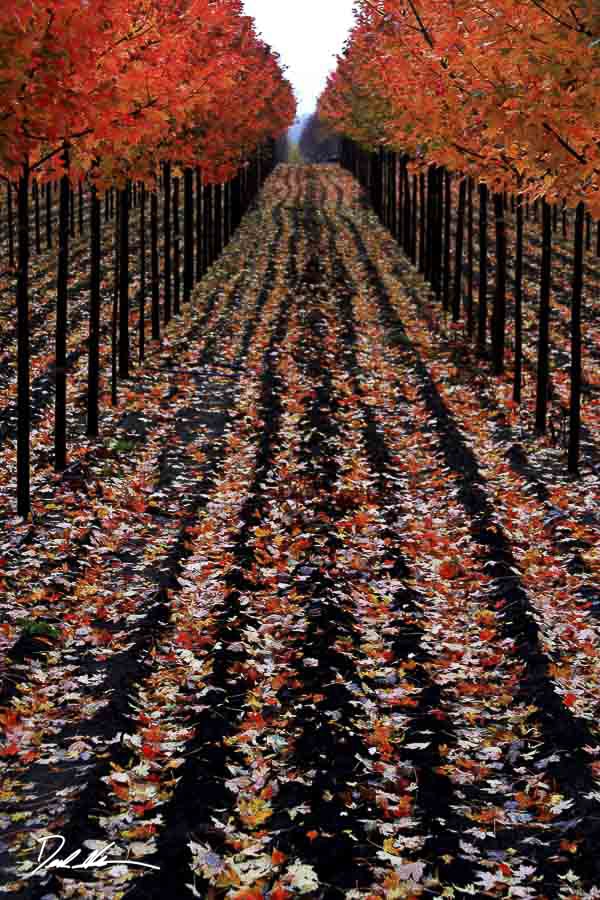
point(254, 812)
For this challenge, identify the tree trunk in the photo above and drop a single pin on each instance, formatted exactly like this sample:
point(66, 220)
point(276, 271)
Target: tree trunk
point(72, 212)
point(422, 222)
point(575, 404)
point(588, 231)
point(142, 320)
point(499, 314)
point(218, 205)
point(413, 231)
point(23, 398)
point(11, 225)
point(188, 235)
point(236, 213)
point(167, 239)
point(385, 190)
point(543, 376)
point(115, 311)
point(206, 244)
point(94, 340)
point(244, 184)
point(483, 286)
point(518, 376)
point(48, 215)
point(407, 209)
point(447, 225)
point(438, 231)
point(199, 222)
point(458, 262)
point(60, 425)
point(211, 217)
point(374, 180)
point(176, 250)
point(124, 281)
point(227, 213)
point(38, 235)
point(401, 201)
point(392, 187)
point(470, 321)
point(154, 266)
point(80, 186)
point(429, 219)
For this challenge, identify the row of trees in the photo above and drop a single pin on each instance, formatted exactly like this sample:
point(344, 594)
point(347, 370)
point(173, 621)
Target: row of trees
point(44, 207)
point(114, 93)
point(499, 96)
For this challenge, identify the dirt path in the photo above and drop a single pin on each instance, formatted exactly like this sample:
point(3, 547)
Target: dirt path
point(310, 633)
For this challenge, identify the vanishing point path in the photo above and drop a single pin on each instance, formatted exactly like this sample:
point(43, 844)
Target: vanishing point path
point(317, 629)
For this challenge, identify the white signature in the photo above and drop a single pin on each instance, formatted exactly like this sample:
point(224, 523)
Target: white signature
point(94, 859)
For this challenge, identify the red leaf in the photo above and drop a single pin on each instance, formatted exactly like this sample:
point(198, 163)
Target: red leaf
point(279, 893)
point(9, 750)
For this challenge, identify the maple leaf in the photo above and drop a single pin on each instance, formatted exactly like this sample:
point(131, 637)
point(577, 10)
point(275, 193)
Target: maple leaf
point(121, 790)
point(279, 892)
point(302, 878)
point(449, 569)
point(254, 811)
point(11, 749)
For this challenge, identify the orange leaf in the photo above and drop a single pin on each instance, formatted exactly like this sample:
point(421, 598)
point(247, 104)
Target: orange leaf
point(149, 751)
point(279, 893)
point(10, 750)
point(184, 640)
point(121, 790)
point(570, 846)
point(448, 569)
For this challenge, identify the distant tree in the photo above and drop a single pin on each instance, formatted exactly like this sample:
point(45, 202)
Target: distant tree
point(282, 148)
point(318, 143)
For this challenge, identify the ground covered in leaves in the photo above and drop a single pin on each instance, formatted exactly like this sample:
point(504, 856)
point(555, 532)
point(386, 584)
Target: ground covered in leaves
point(320, 617)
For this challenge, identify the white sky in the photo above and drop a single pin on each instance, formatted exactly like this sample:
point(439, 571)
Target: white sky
point(308, 35)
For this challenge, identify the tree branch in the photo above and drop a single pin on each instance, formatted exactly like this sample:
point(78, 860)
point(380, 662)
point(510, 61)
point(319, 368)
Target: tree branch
point(559, 21)
point(422, 27)
point(566, 146)
point(466, 150)
point(374, 8)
